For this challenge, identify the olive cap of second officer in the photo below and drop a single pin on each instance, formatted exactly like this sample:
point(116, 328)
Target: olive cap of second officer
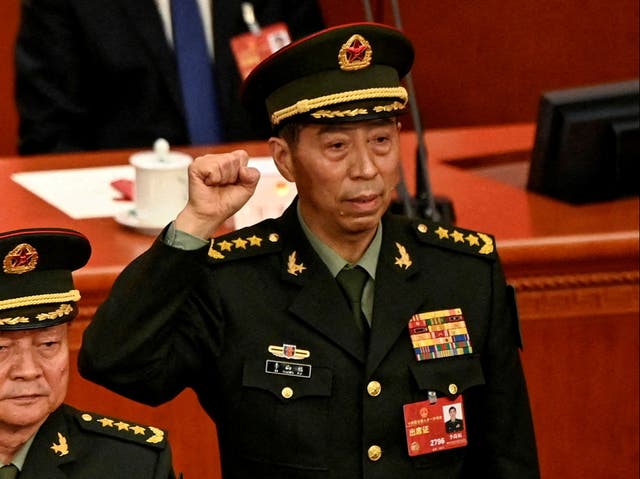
point(36, 282)
point(350, 72)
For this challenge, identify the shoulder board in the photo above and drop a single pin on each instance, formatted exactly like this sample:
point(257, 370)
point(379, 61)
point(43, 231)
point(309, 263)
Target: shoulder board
point(259, 239)
point(124, 430)
point(454, 238)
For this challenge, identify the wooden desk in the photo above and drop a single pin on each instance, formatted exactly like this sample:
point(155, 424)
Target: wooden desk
point(576, 269)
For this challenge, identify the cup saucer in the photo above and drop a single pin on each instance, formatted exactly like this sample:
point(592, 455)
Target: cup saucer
point(130, 219)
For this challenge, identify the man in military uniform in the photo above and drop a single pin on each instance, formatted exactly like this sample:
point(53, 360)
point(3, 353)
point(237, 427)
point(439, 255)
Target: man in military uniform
point(453, 424)
point(328, 342)
point(40, 437)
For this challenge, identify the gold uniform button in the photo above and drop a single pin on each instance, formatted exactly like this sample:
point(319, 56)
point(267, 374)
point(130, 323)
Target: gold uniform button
point(287, 392)
point(86, 417)
point(453, 389)
point(273, 237)
point(374, 388)
point(374, 453)
point(422, 228)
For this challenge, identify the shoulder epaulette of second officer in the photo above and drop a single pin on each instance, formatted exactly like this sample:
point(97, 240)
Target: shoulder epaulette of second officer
point(454, 238)
point(124, 430)
point(259, 239)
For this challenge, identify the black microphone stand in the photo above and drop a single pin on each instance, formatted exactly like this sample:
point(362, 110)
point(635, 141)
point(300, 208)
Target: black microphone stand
point(424, 204)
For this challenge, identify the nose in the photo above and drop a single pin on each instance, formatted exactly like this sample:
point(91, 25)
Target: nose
point(363, 165)
point(25, 365)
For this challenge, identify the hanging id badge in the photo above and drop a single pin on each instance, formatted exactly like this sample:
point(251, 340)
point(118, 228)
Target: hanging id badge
point(434, 425)
point(251, 48)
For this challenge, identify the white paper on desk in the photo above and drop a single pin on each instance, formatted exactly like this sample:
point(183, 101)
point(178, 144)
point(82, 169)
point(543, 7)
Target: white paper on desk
point(87, 192)
point(80, 192)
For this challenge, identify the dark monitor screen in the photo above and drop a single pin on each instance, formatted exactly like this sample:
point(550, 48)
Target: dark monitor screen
point(587, 144)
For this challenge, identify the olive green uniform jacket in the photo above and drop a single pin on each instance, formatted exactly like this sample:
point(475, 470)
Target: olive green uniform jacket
point(213, 318)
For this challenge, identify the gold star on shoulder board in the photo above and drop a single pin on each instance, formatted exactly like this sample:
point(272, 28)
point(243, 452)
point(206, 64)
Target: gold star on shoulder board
point(457, 236)
point(293, 267)
point(404, 261)
point(442, 233)
point(225, 246)
point(240, 243)
point(62, 449)
point(106, 422)
point(254, 240)
point(137, 430)
point(122, 426)
point(472, 240)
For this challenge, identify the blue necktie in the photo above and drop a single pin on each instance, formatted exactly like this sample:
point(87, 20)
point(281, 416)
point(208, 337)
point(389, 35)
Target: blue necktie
point(196, 73)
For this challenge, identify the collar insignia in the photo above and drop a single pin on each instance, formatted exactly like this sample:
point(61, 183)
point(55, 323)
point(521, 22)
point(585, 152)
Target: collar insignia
point(61, 449)
point(355, 53)
point(288, 351)
point(403, 261)
point(21, 259)
point(293, 267)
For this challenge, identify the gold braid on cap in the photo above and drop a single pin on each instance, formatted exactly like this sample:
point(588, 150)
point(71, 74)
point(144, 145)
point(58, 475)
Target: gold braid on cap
point(303, 106)
point(59, 312)
point(72, 295)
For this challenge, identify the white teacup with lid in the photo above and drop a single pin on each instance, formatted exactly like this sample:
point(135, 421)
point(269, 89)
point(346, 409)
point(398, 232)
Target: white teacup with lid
point(161, 184)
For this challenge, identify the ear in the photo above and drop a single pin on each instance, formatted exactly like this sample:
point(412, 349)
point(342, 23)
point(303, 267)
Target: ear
point(282, 157)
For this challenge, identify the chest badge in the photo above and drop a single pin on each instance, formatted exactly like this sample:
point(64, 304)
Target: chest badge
point(288, 351)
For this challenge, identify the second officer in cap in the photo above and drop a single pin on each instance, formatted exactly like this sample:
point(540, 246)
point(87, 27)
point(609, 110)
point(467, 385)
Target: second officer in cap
point(40, 436)
point(329, 342)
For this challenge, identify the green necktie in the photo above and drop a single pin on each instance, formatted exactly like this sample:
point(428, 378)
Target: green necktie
point(352, 281)
point(8, 472)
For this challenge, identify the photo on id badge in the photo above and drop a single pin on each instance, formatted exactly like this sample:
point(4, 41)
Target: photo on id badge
point(453, 418)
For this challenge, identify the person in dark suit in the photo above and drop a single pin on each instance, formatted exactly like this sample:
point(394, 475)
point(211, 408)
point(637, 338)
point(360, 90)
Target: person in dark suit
point(305, 336)
point(40, 436)
point(453, 424)
point(102, 74)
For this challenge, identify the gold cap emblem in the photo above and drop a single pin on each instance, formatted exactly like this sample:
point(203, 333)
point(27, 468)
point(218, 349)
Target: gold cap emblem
point(355, 53)
point(21, 259)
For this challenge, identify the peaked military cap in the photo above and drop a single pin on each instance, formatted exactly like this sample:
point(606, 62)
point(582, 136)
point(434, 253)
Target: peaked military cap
point(36, 284)
point(346, 73)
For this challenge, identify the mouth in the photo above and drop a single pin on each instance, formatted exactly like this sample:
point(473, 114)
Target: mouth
point(365, 203)
point(25, 399)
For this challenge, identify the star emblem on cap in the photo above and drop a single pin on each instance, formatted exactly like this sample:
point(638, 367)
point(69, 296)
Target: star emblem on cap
point(21, 259)
point(355, 53)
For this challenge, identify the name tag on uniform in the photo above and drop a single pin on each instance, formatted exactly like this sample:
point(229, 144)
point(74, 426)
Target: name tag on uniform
point(434, 426)
point(439, 334)
point(287, 369)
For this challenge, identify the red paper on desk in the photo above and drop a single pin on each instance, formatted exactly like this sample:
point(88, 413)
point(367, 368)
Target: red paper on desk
point(126, 187)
